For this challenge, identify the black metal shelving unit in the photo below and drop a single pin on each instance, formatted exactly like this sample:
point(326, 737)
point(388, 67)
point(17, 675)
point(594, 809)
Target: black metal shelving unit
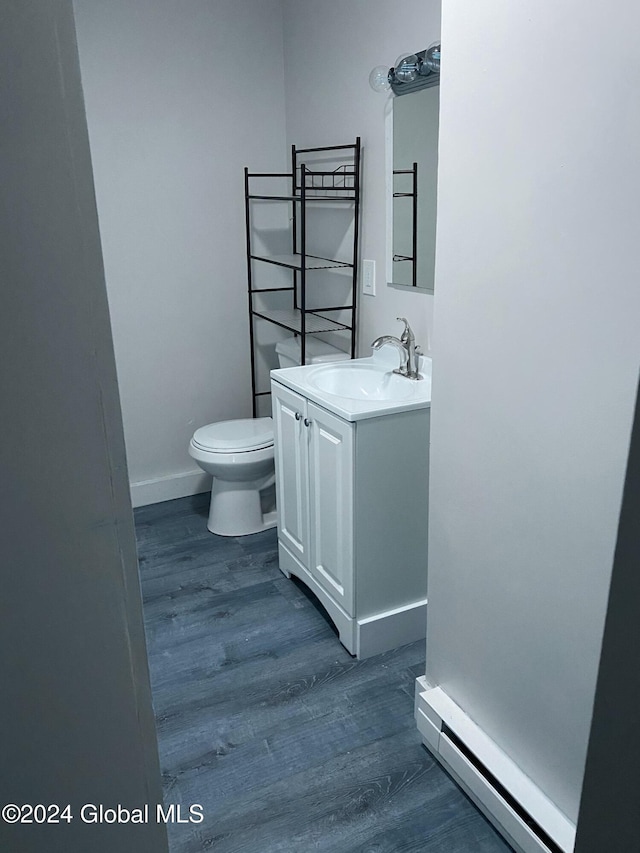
point(310, 185)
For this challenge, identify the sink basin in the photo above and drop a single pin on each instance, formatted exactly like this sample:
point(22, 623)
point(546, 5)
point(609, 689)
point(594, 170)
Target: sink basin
point(363, 382)
point(361, 388)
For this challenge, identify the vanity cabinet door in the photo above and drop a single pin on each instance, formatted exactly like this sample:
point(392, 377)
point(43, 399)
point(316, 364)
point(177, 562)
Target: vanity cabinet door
point(292, 474)
point(331, 455)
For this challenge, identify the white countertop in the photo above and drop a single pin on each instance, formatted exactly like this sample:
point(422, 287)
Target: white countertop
point(301, 380)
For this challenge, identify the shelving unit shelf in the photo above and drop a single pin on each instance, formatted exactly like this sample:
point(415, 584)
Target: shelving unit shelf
point(311, 184)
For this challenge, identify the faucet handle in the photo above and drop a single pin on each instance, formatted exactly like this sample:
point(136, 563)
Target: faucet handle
point(407, 334)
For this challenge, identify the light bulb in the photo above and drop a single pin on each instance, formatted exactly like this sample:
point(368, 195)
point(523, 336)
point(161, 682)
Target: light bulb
point(423, 68)
point(379, 79)
point(432, 57)
point(406, 68)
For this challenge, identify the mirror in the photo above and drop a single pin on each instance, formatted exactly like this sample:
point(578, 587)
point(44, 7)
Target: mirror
point(412, 187)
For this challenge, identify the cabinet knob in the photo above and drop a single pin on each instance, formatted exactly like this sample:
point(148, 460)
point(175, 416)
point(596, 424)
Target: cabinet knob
point(307, 422)
point(298, 416)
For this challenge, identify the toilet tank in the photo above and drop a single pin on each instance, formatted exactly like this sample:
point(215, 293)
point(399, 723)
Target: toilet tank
point(316, 351)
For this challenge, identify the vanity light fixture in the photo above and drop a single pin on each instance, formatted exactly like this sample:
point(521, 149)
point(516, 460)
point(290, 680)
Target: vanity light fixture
point(411, 72)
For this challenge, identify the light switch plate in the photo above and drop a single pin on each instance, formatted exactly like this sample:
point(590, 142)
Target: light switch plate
point(369, 277)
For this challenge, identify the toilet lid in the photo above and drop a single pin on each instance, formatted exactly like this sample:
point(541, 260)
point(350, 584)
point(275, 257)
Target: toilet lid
point(234, 436)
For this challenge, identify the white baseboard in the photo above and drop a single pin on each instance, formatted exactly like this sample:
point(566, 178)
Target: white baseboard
point(392, 628)
point(516, 806)
point(167, 488)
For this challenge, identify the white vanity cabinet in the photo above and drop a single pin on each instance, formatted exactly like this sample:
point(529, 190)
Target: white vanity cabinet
point(352, 516)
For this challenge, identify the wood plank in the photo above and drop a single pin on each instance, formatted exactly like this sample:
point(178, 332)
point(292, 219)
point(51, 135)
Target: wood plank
point(288, 742)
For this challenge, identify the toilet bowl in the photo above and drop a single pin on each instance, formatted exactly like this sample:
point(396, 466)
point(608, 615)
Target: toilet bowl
point(239, 456)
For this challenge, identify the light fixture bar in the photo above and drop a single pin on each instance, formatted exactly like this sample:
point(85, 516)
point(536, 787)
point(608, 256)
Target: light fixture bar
point(425, 73)
point(411, 72)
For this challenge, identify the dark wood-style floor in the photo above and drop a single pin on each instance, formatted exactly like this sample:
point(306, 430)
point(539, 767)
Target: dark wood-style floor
point(287, 742)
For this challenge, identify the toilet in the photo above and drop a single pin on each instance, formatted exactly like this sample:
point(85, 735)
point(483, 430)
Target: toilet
point(315, 351)
point(239, 456)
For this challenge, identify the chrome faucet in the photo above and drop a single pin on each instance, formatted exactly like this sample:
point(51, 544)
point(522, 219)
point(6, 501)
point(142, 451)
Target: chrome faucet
point(406, 346)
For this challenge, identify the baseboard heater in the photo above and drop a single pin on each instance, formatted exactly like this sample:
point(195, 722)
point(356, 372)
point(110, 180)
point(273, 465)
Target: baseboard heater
point(529, 821)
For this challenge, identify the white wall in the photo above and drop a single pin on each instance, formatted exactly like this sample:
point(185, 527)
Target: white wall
point(179, 98)
point(536, 334)
point(76, 710)
point(330, 48)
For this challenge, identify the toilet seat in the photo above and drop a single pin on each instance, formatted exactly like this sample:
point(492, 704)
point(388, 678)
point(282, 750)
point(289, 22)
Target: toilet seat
point(236, 436)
